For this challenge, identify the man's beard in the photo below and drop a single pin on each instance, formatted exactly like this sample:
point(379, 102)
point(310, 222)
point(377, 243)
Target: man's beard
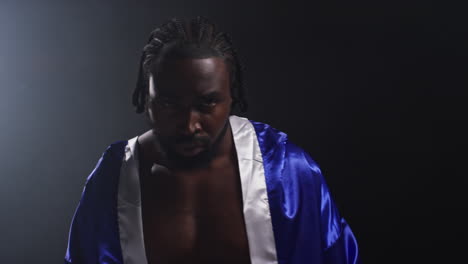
point(199, 160)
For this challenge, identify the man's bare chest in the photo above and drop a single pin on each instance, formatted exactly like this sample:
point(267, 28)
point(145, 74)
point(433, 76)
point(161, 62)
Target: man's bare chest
point(195, 222)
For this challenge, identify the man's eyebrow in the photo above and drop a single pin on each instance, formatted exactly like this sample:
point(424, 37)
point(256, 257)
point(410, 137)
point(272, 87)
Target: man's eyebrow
point(211, 94)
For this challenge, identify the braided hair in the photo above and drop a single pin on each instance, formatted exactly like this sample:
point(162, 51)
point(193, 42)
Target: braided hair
point(196, 38)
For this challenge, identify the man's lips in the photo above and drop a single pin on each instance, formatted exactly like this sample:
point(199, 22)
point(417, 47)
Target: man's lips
point(191, 141)
point(190, 144)
point(191, 149)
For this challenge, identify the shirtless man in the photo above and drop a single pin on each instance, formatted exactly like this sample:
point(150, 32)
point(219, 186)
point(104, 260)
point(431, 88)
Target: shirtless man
point(203, 185)
point(191, 195)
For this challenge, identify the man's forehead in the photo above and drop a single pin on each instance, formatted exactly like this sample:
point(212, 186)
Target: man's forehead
point(153, 90)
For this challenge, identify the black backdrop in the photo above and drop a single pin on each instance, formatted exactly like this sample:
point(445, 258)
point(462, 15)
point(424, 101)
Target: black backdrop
point(374, 91)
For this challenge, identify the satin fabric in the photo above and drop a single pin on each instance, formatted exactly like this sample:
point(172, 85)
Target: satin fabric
point(289, 213)
point(94, 232)
point(306, 223)
point(257, 215)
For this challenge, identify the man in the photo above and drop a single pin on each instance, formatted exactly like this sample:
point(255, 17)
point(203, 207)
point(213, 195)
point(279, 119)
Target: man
point(204, 185)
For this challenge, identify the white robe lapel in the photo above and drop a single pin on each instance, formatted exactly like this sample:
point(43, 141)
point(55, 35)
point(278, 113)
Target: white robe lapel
point(254, 193)
point(129, 208)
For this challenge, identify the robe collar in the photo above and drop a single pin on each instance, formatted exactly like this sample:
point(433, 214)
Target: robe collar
point(254, 194)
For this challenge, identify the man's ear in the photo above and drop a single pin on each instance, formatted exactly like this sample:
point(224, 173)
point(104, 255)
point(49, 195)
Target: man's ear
point(236, 106)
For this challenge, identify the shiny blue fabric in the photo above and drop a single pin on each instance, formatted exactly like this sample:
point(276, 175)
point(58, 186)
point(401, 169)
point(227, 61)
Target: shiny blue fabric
point(94, 232)
point(306, 223)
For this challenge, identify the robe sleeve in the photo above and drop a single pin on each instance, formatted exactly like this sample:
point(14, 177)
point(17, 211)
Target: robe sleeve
point(81, 244)
point(339, 243)
point(93, 235)
point(341, 246)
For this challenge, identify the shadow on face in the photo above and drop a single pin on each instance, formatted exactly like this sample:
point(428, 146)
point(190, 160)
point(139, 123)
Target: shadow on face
point(189, 105)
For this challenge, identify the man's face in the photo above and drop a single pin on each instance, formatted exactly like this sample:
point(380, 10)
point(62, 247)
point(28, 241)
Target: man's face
point(189, 105)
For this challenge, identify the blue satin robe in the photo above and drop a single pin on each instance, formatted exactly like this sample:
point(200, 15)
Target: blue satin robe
point(289, 214)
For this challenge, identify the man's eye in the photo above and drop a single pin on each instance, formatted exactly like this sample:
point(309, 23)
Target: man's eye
point(210, 102)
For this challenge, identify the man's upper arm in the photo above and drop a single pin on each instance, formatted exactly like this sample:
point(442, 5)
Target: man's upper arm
point(93, 226)
point(339, 243)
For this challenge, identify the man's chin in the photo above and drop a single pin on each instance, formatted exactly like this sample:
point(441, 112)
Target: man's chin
point(190, 158)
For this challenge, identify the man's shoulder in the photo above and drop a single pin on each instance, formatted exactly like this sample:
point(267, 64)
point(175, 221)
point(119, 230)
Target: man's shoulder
point(116, 147)
point(270, 136)
point(269, 132)
point(274, 141)
point(285, 161)
point(109, 160)
point(115, 151)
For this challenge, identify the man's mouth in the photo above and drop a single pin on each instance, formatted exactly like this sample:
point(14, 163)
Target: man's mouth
point(191, 149)
point(190, 144)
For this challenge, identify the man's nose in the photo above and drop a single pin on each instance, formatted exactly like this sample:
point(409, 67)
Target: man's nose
point(190, 122)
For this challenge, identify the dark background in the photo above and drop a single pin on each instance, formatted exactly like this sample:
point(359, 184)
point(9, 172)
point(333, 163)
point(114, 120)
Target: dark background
point(373, 90)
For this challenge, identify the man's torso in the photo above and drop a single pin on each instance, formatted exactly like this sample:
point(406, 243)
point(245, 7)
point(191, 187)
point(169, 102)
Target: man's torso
point(194, 216)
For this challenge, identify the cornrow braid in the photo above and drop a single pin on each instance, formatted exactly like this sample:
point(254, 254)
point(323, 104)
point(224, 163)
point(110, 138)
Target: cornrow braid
point(182, 34)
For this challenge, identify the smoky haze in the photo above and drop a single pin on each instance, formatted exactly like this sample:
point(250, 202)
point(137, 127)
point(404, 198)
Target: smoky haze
point(352, 82)
point(67, 71)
